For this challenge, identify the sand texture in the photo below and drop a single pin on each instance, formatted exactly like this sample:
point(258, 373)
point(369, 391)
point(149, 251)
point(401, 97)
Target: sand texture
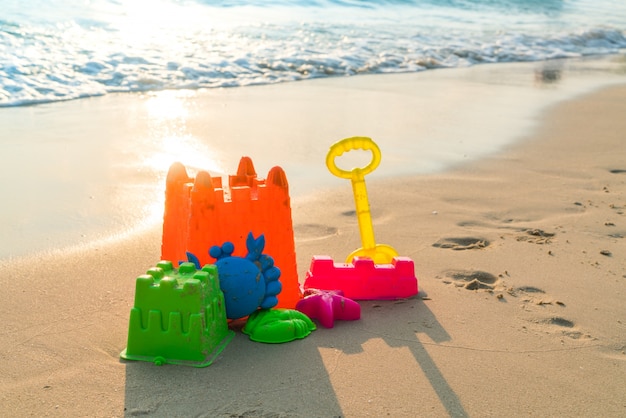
point(521, 259)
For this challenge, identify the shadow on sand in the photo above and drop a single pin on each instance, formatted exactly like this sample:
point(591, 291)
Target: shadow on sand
point(292, 380)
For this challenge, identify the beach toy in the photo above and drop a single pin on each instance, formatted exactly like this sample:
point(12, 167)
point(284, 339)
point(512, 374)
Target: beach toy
point(327, 306)
point(275, 326)
point(178, 317)
point(362, 279)
point(380, 253)
point(200, 212)
point(247, 283)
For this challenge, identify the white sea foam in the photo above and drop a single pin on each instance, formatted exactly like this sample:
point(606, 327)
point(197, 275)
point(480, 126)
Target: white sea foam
point(77, 49)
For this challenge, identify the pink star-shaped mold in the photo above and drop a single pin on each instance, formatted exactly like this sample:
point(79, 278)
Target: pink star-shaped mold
point(328, 305)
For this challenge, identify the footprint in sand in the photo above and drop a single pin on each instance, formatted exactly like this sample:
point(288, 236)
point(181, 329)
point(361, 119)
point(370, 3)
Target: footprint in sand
point(313, 232)
point(471, 279)
point(527, 290)
point(536, 236)
point(559, 325)
point(458, 244)
point(533, 296)
point(530, 289)
point(558, 321)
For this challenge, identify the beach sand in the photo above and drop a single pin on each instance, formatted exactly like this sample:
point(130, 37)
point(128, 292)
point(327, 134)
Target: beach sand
point(519, 252)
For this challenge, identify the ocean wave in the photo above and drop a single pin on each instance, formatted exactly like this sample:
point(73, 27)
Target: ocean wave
point(186, 48)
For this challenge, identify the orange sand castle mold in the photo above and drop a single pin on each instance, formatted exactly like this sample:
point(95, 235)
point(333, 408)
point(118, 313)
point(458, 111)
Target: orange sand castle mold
point(200, 213)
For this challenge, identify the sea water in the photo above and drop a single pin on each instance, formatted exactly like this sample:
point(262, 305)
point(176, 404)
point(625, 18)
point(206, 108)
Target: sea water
point(53, 50)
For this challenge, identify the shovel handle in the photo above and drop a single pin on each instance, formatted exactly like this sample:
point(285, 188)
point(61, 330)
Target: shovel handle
point(350, 144)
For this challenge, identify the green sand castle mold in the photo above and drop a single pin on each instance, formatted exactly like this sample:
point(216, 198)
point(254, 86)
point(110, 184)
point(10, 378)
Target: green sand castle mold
point(179, 316)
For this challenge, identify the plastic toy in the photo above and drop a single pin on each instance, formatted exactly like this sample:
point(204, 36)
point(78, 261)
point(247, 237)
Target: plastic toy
point(278, 326)
point(201, 212)
point(328, 305)
point(380, 253)
point(179, 316)
point(362, 279)
point(247, 283)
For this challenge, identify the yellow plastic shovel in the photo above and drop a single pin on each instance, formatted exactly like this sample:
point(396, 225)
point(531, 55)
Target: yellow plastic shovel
point(380, 253)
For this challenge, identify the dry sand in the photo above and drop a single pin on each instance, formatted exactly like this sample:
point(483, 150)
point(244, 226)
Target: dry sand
point(522, 266)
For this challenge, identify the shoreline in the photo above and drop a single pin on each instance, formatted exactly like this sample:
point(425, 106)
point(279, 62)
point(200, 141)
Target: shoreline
point(544, 320)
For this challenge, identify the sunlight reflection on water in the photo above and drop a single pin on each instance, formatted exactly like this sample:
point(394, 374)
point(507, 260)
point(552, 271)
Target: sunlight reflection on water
point(171, 141)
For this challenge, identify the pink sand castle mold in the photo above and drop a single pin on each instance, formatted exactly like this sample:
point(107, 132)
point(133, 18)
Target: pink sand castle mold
point(327, 306)
point(362, 279)
point(200, 212)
